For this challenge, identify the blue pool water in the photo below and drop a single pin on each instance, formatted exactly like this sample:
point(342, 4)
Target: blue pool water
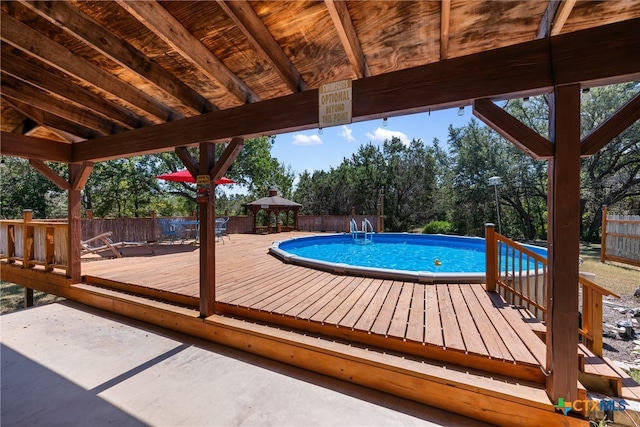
point(401, 251)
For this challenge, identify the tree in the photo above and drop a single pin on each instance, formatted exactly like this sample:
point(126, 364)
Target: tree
point(22, 187)
point(611, 176)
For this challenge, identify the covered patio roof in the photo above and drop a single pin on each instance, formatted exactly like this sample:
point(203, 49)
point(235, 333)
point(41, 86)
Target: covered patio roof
point(90, 81)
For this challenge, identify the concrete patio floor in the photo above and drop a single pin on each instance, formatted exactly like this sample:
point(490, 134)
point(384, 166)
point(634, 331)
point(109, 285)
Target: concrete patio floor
point(68, 364)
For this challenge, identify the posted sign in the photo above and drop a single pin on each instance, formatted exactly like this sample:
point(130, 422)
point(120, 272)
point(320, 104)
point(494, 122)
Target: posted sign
point(335, 103)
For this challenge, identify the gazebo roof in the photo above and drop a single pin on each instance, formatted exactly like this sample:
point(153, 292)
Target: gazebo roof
point(274, 202)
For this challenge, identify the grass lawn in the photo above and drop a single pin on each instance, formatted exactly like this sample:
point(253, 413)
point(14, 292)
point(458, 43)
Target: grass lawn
point(12, 297)
point(620, 278)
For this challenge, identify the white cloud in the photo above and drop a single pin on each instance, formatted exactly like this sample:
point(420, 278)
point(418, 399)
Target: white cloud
point(300, 139)
point(380, 135)
point(347, 133)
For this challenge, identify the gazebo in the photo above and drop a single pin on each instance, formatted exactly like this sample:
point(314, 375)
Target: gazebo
point(274, 204)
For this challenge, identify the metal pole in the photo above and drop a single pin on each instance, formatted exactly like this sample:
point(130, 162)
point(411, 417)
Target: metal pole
point(498, 210)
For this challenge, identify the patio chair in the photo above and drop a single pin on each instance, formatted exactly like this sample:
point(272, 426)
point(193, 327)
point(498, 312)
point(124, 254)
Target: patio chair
point(221, 228)
point(170, 230)
point(102, 242)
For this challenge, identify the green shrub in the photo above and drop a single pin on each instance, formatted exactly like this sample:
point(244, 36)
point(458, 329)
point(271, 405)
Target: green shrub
point(438, 227)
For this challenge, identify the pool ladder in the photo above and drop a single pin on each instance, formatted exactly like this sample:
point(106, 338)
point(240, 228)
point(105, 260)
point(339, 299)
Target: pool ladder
point(365, 235)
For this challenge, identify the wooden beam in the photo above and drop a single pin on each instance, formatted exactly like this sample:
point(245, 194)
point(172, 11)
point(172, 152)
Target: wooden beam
point(19, 91)
point(513, 129)
point(563, 244)
point(159, 21)
point(348, 37)
point(562, 14)
point(248, 21)
point(190, 163)
point(34, 148)
point(80, 179)
point(610, 55)
point(617, 123)
point(65, 129)
point(37, 76)
point(50, 174)
point(31, 42)
point(226, 159)
point(445, 20)
point(76, 23)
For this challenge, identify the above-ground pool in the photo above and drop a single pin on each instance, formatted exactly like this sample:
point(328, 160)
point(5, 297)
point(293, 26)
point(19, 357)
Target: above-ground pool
point(402, 256)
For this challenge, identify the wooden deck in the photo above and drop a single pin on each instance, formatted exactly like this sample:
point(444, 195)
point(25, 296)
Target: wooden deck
point(456, 323)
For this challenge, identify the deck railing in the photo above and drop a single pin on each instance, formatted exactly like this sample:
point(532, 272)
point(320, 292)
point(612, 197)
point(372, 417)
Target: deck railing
point(34, 242)
point(519, 274)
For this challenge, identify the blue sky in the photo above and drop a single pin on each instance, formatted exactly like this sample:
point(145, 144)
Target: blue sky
point(314, 150)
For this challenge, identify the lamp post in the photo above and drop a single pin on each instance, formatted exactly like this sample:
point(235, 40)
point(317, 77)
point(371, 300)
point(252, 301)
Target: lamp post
point(495, 181)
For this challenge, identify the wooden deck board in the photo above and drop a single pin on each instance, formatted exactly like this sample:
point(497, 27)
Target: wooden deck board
point(351, 285)
point(358, 309)
point(400, 319)
point(450, 327)
point(415, 328)
point(381, 324)
point(370, 314)
point(433, 328)
point(461, 317)
point(472, 338)
point(349, 303)
point(490, 336)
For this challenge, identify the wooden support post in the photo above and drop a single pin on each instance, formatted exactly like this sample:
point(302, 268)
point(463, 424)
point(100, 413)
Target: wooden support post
point(74, 213)
point(207, 235)
point(603, 237)
point(11, 243)
point(49, 249)
point(28, 297)
point(28, 249)
point(491, 256)
point(564, 250)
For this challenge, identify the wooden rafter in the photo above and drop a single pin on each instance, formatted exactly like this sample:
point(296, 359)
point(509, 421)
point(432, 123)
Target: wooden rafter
point(617, 123)
point(15, 89)
point(513, 129)
point(522, 68)
point(50, 174)
point(187, 159)
point(562, 14)
point(27, 71)
point(158, 20)
point(34, 148)
point(226, 159)
point(68, 130)
point(445, 19)
point(81, 26)
point(348, 37)
point(262, 40)
point(46, 50)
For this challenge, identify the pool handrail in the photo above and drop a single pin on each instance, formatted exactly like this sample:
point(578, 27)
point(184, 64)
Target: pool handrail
point(506, 281)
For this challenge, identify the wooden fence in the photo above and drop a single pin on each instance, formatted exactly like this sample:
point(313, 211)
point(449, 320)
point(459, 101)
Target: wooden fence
point(620, 238)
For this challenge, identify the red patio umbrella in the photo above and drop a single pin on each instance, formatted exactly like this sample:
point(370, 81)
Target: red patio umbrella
point(185, 176)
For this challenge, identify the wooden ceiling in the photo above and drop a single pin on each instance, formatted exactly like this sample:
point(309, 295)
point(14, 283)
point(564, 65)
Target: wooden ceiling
point(80, 71)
